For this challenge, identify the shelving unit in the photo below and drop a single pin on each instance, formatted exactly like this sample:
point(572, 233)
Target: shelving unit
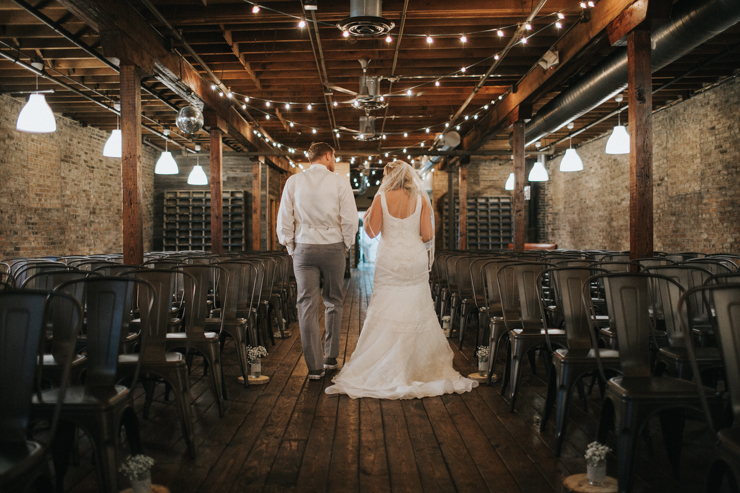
point(187, 220)
point(490, 222)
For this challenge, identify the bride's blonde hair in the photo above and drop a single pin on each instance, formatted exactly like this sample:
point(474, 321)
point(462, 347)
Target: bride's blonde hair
point(398, 175)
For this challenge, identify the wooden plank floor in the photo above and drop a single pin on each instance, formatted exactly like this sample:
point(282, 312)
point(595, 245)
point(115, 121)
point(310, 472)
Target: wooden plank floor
point(289, 435)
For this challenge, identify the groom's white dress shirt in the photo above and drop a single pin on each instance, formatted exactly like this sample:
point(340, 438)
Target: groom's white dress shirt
point(317, 207)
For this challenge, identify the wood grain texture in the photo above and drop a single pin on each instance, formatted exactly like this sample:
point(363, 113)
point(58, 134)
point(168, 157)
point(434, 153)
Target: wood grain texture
point(641, 143)
point(463, 215)
point(519, 182)
point(133, 243)
point(256, 204)
point(216, 182)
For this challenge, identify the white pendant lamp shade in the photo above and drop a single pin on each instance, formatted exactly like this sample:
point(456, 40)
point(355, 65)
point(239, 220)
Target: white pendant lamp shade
point(509, 183)
point(539, 172)
point(619, 141)
point(571, 161)
point(197, 176)
point(166, 165)
point(36, 116)
point(114, 145)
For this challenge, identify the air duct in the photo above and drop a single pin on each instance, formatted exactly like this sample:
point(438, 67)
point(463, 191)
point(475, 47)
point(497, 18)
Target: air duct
point(448, 142)
point(691, 24)
point(366, 19)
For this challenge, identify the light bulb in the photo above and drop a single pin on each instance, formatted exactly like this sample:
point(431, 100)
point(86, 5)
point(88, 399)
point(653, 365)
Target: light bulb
point(524, 40)
point(436, 83)
point(457, 127)
point(246, 99)
point(500, 33)
point(463, 70)
point(464, 38)
point(267, 103)
point(267, 117)
point(230, 94)
point(429, 40)
point(571, 161)
point(36, 116)
point(166, 165)
point(496, 57)
point(447, 124)
point(291, 124)
point(113, 147)
point(619, 141)
point(561, 16)
point(197, 176)
point(255, 9)
point(509, 182)
point(427, 129)
point(528, 26)
point(405, 134)
point(309, 107)
point(313, 130)
point(408, 92)
point(244, 106)
point(388, 39)
point(558, 25)
point(485, 107)
point(301, 23)
point(336, 104)
point(345, 34)
point(287, 106)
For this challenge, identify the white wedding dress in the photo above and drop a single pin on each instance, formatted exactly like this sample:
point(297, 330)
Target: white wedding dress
point(402, 352)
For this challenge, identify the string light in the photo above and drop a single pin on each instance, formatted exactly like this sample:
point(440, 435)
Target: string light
point(528, 26)
point(255, 9)
point(429, 40)
point(345, 34)
point(388, 39)
point(524, 40)
point(485, 107)
point(463, 70)
point(301, 23)
point(230, 94)
point(213, 87)
point(267, 103)
point(287, 106)
point(220, 94)
point(464, 38)
point(313, 130)
point(310, 107)
point(409, 93)
point(558, 25)
point(291, 124)
point(457, 127)
point(436, 83)
point(244, 106)
point(466, 117)
point(561, 16)
point(500, 33)
point(246, 99)
point(447, 124)
point(427, 129)
point(496, 57)
point(267, 117)
point(405, 134)
point(591, 4)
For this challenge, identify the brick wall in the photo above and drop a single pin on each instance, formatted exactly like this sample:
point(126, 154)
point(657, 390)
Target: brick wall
point(59, 195)
point(696, 173)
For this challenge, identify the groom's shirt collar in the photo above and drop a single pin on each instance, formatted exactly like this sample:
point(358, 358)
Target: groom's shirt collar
point(318, 165)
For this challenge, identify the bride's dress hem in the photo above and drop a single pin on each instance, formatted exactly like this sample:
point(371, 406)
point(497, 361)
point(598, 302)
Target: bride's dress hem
point(416, 390)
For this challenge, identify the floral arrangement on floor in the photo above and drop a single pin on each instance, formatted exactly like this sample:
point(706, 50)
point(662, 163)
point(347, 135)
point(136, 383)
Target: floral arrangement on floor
point(446, 318)
point(482, 353)
point(255, 353)
point(596, 452)
point(136, 465)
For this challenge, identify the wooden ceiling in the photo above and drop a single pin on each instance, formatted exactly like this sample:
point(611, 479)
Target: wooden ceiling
point(268, 58)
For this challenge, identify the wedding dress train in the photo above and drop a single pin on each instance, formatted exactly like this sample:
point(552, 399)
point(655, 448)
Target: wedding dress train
point(402, 352)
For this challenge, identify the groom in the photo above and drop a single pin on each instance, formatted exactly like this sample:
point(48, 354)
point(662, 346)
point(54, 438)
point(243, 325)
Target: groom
point(317, 223)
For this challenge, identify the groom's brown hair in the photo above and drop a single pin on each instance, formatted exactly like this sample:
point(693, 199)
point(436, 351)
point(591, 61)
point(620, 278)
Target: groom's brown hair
point(317, 150)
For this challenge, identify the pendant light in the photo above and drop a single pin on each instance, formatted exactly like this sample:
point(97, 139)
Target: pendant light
point(539, 172)
point(510, 183)
point(36, 116)
point(166, 165)
point(197, 176)
point(114, 145)
point(571, 161)
point(619, 141)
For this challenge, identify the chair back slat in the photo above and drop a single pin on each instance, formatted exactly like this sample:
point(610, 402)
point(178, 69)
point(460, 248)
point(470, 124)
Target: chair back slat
point(627, 298)
point(568, 285)
point(154, 324)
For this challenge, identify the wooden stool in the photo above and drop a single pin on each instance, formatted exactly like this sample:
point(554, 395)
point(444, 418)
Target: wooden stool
point(578, 483)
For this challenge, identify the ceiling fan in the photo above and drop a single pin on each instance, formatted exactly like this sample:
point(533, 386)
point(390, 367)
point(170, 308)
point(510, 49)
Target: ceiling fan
point(368, 97)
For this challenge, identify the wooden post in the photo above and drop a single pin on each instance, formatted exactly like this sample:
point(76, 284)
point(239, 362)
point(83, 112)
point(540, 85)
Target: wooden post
point(641, 143)
point(518, 201)
point(216, 181)
point(451, 209)
point(133, 244)
point(463, 215)
point(256, 204)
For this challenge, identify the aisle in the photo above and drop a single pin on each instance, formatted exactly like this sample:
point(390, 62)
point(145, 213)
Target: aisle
point(290, 436)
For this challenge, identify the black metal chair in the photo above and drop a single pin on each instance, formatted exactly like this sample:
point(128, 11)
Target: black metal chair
point(531, 335)
point(23, 462)
point(154, 361)
point(571, 364)
point(724, 303)
point(637, 395)
point(102, 405)
point(495, 307)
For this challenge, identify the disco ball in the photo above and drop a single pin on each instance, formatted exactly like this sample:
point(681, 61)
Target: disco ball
point(189, 120)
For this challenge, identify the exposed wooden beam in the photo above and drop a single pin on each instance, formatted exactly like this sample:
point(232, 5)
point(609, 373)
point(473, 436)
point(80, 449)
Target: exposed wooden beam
point(217, 209)
point(256, 203)
point(241, 57)
point(282, 120)
point(518, 202)
point(133, 244)
point(124, 34)
point(463, 214)
point(570, 48)
point(639, 79)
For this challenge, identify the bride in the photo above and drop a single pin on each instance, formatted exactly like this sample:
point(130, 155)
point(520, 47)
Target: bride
point(402, 352)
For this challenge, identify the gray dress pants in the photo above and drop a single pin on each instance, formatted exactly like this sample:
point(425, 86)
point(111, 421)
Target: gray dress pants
point(310, 264)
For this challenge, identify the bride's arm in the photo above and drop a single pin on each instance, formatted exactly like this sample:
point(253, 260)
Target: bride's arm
point(427, 231)
point(374, 218)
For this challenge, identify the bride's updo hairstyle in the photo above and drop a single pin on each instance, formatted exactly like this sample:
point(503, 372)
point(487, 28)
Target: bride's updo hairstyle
point(399, 175)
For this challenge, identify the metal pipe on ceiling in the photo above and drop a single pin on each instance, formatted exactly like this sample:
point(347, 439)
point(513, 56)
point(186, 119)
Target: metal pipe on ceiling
point(73, 39)
point(323, 73)
point(397, 152)
point(395, 58)
point(68, 87)
point(691, 24)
